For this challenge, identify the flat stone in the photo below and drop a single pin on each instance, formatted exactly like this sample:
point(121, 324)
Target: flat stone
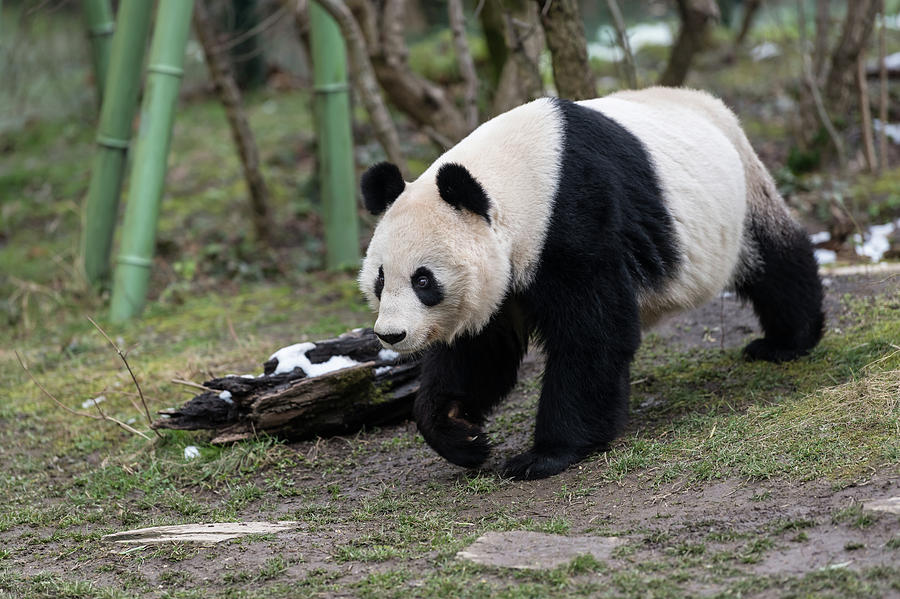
point(890, 505)
point(526, 550)
point(198, 533)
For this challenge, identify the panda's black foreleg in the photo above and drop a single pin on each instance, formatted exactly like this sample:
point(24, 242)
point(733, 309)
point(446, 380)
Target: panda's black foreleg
point(590, 334)
point(461, 383)
point(786, 293)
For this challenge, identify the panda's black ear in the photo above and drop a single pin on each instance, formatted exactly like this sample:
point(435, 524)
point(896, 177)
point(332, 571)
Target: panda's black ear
point(459, 188)
point(381, 185)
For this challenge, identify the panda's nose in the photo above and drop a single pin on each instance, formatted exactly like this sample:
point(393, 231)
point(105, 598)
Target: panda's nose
point(392, 338)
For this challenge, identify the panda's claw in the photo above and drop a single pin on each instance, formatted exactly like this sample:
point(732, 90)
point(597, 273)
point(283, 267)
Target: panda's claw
point(763, 349)
point(533, 465)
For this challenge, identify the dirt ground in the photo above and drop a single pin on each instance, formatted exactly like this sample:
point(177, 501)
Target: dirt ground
point(380, 514)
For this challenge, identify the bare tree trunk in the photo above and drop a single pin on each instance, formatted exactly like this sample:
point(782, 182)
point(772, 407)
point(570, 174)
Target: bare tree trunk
point(751, 7)
point(230, 95)
point(622, 36)
point(490, 14)
point(883, 95)
point(564, 30)
point(466, 64)
point(520, 80)
point(855, 34)
point(865, 113)
point(363, 75)
point(823, 25)
point(695, 17)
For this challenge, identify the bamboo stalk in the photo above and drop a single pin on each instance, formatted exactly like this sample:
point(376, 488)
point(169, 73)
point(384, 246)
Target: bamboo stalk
point(363, 75)
point(164, 72)
point(335, 140)
point(100, 24)
point(113, 135)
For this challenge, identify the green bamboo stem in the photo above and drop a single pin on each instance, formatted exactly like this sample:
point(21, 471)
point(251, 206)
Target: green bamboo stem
point(113, 135)
point(99, 17)
point(164, 72)
point(335, 143)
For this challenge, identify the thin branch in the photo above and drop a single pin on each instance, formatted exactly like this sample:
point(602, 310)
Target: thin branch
point(130, 371)
point(102, 416)
point(230, 96)
point(464, 57)
point(810, 79)
point(622, 36)
point(191, 384)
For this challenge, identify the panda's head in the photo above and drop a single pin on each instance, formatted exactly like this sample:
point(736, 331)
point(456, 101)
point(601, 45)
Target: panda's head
point(435, 267)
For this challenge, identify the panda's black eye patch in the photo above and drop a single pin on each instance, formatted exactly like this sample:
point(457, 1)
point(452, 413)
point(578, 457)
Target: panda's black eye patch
point(379, 282)
point(427, 288)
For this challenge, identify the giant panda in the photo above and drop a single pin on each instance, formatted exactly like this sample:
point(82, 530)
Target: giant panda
point(578, 225)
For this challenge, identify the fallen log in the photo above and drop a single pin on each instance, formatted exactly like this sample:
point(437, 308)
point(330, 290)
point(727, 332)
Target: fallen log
point(329, 387)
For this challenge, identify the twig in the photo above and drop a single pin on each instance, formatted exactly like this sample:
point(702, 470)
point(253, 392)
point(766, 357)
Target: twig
point(190, 384)
point(622, 35)
point(76, 412)
point(130, 371)
point(464, 57)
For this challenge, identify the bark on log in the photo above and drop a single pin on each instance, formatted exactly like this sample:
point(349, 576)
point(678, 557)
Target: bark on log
point(379, 390)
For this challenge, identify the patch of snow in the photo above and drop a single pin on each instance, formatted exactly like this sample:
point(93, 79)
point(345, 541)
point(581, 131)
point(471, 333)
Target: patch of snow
point(293, 356)
point(764, 50)
point(191, 452)
point(226, 397)
point(388, 354)
point(820, 237)
point(131, 420)
point(825, 256)
point(876, 242)
point(639, 36)
point(891, 130)
point(381, 370)
point(90, 403)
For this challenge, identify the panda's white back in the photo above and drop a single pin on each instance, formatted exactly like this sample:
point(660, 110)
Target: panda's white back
point(702, 178)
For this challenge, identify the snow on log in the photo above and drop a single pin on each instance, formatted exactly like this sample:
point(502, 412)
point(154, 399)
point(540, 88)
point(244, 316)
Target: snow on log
point(330, 387)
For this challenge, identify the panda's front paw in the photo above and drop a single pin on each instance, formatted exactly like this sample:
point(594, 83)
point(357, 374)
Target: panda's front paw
point(763, 349)
point(533, 464)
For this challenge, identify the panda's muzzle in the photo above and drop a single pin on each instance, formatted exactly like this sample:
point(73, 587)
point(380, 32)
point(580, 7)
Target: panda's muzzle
point(391, 338)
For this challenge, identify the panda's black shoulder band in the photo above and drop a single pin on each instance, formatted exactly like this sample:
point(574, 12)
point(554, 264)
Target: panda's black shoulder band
point(460, 189)
point(381, 185)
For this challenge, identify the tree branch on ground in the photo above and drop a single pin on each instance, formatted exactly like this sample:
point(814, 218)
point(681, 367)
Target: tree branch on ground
point(564, 30)
point(230, 96)
point(66, 408)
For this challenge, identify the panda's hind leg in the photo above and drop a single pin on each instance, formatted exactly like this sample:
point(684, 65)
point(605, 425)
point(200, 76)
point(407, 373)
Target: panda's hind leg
point(783, 285)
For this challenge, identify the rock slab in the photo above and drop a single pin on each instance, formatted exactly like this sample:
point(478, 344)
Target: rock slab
point(198, 533)
point(526, 550)
point(891, 505)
